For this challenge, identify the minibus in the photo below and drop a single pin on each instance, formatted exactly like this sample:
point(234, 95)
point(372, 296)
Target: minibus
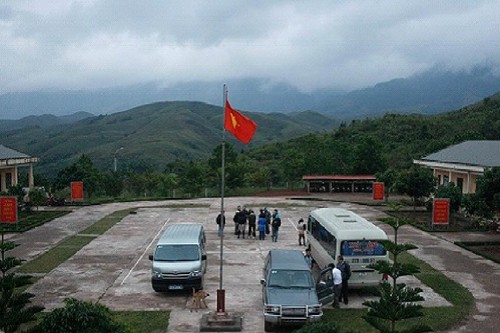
point(336, 231)
point(179, 258)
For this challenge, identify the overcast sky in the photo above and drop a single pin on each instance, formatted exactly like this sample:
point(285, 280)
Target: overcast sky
point(87, 44)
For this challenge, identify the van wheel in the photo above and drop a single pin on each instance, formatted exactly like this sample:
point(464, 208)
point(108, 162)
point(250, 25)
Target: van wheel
point(268, 327)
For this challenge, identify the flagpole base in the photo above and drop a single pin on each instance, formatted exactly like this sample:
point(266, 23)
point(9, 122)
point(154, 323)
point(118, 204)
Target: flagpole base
point(221, 322)
point(221, 302)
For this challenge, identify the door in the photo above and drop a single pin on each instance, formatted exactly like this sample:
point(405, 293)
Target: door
point(324, 286)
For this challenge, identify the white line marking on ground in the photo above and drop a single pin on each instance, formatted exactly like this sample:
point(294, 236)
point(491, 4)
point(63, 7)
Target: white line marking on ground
point(143, 253)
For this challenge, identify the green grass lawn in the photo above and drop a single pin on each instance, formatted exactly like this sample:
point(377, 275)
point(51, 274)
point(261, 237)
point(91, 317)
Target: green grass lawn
point(55, 256)
point(144, 321)
point(29, 220)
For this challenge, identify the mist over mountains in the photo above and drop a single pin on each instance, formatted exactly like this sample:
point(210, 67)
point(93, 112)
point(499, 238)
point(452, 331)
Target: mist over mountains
point(430, 92)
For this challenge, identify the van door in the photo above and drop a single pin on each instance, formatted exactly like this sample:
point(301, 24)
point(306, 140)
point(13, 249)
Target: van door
point(324, 286)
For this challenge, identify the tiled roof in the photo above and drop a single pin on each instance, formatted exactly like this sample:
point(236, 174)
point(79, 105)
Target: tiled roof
point(479, 153)
point(7, 153)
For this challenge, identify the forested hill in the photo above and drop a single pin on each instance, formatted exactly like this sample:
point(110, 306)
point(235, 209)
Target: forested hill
point(152, 135)
point(373, 145)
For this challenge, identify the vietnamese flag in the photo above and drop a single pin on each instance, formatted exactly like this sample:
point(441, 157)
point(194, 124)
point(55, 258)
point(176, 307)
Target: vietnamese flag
point(241, 127)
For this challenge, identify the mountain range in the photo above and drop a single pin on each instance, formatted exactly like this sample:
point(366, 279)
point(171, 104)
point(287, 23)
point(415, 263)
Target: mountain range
point(430, 92)
point(151, 135)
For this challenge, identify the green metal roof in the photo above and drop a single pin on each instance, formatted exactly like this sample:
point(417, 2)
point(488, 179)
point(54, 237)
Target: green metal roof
point(7, 153)
point(483, 153)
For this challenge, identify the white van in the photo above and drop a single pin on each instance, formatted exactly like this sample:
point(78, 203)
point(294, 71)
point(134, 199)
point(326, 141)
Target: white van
point(179, 259)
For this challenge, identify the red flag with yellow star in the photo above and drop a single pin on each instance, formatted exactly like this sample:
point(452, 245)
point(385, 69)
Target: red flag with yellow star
point(241, 127)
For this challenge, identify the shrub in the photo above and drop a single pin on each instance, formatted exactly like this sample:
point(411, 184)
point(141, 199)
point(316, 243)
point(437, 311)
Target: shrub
point(79, 317)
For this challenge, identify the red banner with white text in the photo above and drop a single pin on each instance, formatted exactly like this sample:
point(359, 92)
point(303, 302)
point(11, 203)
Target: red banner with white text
point(8, 209)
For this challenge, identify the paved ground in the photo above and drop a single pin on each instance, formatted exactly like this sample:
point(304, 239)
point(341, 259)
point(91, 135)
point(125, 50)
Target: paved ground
point(114, 268)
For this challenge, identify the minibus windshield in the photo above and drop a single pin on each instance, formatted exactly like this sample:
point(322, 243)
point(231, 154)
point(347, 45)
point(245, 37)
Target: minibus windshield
point(177, 253)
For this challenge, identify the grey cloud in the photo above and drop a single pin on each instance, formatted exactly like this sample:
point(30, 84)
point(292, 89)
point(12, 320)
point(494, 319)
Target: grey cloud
point(310, 45)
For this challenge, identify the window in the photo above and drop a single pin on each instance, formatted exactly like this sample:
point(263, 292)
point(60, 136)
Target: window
point(362, 248)
point(295, 279)
point(324, 237)
point(177, 253)
point(460, 184)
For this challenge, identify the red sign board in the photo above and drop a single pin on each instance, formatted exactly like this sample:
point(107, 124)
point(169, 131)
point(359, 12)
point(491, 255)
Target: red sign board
point(378, 191)
point(441, 211)
point(76, 191)
point(8, 209)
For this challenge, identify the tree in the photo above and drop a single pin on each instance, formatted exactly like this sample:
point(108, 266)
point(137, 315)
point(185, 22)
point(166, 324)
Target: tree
point(113, 183)
point(397, 301)
point(367, 157)
point(488, 189)
point(476, 206)
point(14, 304)
point(388, 177)
point(168, 182)
point(416, 182)
point(80, 317)
point(292, 164)
point(81, 170)
point(192, 178)
point(37, 197)
point(451, 192)
point(261, 177)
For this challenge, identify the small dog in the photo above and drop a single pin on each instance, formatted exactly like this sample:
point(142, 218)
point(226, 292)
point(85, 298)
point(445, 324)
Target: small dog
point(199, 299)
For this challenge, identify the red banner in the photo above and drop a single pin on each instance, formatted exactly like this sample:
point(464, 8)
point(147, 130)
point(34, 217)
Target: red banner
point(8, 209)
point(441, 211)
point(76, 191)
point(378, 191)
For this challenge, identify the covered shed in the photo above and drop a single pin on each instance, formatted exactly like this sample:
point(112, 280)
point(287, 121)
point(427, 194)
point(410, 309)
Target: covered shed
point(339, 183)
point(10, 161)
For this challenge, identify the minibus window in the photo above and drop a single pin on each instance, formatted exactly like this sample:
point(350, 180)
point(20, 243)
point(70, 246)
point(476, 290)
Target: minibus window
point(362, 248)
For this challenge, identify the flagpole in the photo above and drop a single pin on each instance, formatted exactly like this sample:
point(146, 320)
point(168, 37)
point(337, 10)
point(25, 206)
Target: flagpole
point(221, 292)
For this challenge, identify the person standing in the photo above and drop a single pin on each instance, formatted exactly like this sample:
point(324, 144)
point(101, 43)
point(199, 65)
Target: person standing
point(268, 220)
point(251, 224)
point(221, 222)
point(337, 284)
point(243, 222)
point(309, 258)
point(345, 270)
point(276, 224)
point(262, 222)
point(302, 232)
point(236, 218)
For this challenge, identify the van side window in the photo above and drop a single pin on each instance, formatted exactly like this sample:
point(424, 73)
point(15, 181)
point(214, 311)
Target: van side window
point(324, 237)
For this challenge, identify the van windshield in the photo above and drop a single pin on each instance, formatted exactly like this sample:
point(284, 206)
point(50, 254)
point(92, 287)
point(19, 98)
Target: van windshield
point(177, 253)
point(290, 279)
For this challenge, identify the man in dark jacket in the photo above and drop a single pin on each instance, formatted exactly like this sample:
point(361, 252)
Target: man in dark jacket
point(221, 222)
point(252, 219)
point(345, 269)
point(236, 218)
